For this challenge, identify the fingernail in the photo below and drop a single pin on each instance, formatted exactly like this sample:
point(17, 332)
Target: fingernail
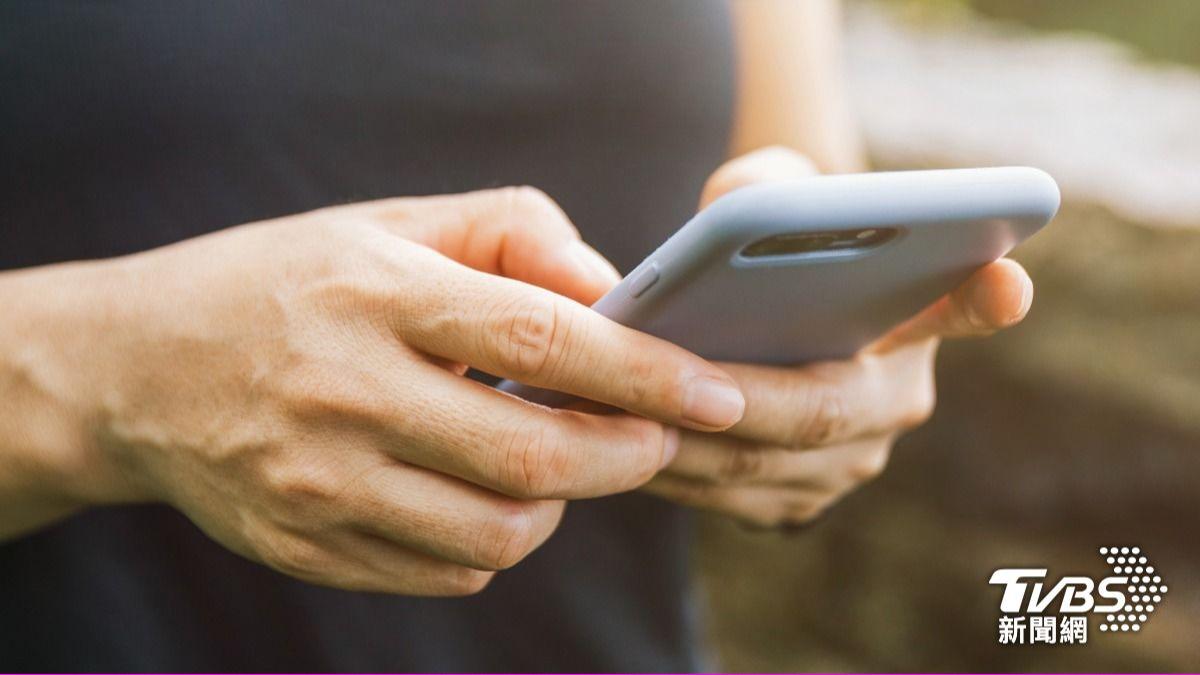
point(1026, 299)
point(670, 446)
point(587, 260)
point(712, 402)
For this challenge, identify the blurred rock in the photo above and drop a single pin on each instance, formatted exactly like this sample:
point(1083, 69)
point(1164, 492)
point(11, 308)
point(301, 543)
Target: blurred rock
point(1114, 130)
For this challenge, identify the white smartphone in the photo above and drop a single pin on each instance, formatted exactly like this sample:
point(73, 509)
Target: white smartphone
point(813, 269)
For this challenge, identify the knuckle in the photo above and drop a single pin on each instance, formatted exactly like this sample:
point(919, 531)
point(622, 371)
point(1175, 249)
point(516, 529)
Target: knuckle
point(328, 389)
point(370, 496)
point(310, 488)
point(822, 417)
point(643, 385)
point(733, 174)
point(786, 162)
point(534, 460)
point(505, 538)
point(528, 334)
point(297, 485)
point(532, 206)
point(768, 163)
point(528, 197)
point(740, 465)
point(294, 557)
point(695, 493)
point(721, 182)
point(647, 442)
point(705, 494)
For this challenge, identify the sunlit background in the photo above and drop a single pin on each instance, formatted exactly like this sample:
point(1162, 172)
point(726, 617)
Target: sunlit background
point(1080, 428)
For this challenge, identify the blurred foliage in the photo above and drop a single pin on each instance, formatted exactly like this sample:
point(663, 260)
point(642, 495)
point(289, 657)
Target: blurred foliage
point(1158, 29)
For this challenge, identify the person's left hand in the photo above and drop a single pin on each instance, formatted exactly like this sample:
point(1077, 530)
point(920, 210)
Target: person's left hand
point(812, 434)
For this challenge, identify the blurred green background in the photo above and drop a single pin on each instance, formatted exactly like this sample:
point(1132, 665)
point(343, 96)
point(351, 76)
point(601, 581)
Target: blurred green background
point(1159, 29)
point(1079, 428)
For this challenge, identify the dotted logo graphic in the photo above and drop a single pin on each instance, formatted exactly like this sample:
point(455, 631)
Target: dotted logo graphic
point(1146, 588)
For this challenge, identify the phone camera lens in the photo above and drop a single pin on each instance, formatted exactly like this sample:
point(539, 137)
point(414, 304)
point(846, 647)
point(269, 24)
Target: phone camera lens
point(803, 243)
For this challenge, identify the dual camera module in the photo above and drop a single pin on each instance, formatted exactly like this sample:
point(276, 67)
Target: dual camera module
point(838, 241)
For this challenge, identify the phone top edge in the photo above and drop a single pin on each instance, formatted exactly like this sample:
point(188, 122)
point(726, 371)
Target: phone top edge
point(848, 200)
point(1027, 196)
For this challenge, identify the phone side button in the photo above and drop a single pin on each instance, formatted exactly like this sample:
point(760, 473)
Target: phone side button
point(644, 279)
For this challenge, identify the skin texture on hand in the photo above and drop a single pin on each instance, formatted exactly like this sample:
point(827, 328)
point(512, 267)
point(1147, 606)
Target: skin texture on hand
point(812, 434)
point(296, 388)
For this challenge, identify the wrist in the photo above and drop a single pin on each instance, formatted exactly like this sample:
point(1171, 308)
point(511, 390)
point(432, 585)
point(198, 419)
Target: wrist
point(50, 355)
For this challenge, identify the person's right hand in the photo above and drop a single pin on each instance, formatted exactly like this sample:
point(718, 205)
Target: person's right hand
point(296, 388)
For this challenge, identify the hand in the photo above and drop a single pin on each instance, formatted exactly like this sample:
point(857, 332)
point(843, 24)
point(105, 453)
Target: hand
point(812, 434)
point(295, 386)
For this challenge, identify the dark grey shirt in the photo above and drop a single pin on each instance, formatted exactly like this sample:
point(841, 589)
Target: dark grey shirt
point(130, 125)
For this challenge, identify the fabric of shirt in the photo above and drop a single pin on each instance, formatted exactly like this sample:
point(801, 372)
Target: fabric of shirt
point(126, 126)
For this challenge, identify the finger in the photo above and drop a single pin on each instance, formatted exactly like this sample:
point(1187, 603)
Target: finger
point(515, 232)
point(760, 505)
point(363, 562)
point(386, 567)
point(995, 297)
point(529, 335)
point(838, 401)
point(450, 519)
point(722, 460)
point(766, 164)
point(497, 441)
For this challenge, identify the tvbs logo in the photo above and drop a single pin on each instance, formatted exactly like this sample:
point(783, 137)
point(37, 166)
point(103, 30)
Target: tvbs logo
point(1036, 611)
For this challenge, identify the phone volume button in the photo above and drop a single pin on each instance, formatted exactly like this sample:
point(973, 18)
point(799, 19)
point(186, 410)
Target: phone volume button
point(643, 280)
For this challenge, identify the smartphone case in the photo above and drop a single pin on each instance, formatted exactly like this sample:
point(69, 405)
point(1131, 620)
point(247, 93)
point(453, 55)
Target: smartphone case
point(698, 291)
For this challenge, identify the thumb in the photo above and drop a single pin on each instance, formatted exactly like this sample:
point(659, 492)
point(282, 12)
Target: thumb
point(515, 232)
point(569, 267)
point(995, 297)
point(537, 243)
